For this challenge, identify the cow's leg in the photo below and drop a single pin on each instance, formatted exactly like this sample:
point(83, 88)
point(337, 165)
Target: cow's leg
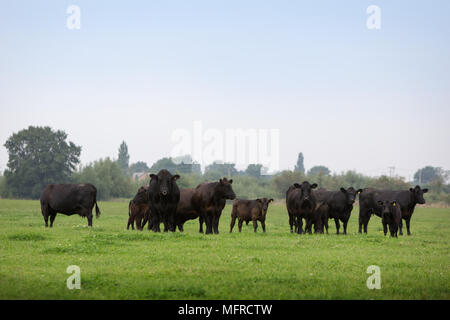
point(366, 222)
point(407, 220)
point(89, 218)
point(291, 222)
point(46, 220)
point(180, 227)
point(171, 219)
point(326, 224)
point(345, 222)
point(155, 223)
point(400, 226)
point(308, 226)
point(384, 227)
point(130, 223)
point(255, 225)
point(240, 224)
point(165, 223)
point(208, 221)
point(144, 221)
point(338, 225)
point(363, 216)
point(233, 221)
point(263, 225)
point(138, 222)
point(216, 219)
point(44, 211)
point(392, 230)
point(52, 218)
point(299, 225)
point(200, 221)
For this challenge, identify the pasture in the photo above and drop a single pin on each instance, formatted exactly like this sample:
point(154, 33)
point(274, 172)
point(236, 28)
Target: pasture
point(117, 263)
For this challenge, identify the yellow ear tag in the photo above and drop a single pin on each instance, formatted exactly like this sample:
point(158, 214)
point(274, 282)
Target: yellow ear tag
point(359, 192)
point(394, 204)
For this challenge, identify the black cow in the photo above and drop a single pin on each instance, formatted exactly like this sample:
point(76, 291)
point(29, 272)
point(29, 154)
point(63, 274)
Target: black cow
point(163, 197)
point(209, 200)
point(250, 210)
point(407, 199)
point(185, 210)
point(340, 205)
point(391, 216)
point(69, 199)
point(138, 209)
point(301, 204)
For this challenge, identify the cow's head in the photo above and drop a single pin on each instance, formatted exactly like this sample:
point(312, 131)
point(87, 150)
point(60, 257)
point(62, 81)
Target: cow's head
point(351, 194)
point(264, 203)
point(142, 194)
point(224, 189)
point(417, 194)
point(387, 207)
point(306, 194)
point(165, 181)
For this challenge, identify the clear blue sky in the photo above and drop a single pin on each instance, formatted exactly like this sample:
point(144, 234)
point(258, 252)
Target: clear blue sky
point(346, 96)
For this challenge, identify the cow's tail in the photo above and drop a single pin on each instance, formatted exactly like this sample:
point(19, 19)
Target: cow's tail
point(97, 210)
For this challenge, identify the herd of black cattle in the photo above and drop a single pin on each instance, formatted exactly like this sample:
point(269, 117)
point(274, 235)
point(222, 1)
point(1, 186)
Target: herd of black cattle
point(163, 202)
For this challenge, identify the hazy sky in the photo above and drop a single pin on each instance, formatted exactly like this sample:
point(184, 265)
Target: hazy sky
point(346, 96)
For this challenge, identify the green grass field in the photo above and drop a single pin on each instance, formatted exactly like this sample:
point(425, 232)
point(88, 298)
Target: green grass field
point(117, 263)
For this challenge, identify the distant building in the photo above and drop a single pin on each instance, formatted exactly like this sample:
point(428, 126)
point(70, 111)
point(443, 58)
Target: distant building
point(139, 176)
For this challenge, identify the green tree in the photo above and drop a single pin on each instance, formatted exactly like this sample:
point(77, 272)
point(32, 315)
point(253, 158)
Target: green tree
point(107, 177)
point(300, 166)
point(319, 170)
point(123, 158)
point(253, 170)
point(164, 163)
point(428, 174)
point(139, 166)
point(283, 180)
point(221, 169)
point(38, 156)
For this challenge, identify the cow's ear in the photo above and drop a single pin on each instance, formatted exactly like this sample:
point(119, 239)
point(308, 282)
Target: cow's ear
point(153, 176)
point(359, 191)
point(175, 177)
point(220, 181)
point(230, 181)
point(425, 190)
point(297, 185)
point(314, 185)
point(380, 203)
point(411, 189)
point(343, 190)
point(270, 200)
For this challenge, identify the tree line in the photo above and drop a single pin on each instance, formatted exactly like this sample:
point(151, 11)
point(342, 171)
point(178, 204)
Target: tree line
point(41, 155)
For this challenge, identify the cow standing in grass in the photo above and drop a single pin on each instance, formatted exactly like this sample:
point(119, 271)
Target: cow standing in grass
point(209, 200)
point(185, 210)
point(163, 197)
point(301, 204)
point(250, 210)
point(138, 209)
point(339, 205)
point(406, 199)
point(391, 216)
point(69, 199)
